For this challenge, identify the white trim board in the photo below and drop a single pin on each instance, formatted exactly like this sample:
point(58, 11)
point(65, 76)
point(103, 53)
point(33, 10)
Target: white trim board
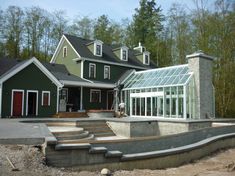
point(84, 84)
point(27, 96)
point(27, 63)
point(12, 93)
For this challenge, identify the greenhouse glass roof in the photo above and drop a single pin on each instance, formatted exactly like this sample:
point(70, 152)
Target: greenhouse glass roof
point(161, 77)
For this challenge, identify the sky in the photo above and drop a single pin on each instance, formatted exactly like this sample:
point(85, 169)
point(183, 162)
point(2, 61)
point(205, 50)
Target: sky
point(115, 9)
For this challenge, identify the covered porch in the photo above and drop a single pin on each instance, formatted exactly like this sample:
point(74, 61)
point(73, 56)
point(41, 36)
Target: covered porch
point(81, 96)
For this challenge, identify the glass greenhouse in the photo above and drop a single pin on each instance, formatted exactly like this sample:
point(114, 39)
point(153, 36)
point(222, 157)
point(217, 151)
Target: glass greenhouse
point(164, 92)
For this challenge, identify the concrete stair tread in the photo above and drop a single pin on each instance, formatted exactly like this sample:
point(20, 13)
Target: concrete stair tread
point(67, 124)
point(104, 134)
point(113, 153)
point(73, 136)
point(64, 129)
point(72, 146)
point(70, 141)
point(98, 150)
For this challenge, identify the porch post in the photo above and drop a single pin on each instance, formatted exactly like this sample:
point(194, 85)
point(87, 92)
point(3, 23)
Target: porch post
point(58, 99)
point(81, 98)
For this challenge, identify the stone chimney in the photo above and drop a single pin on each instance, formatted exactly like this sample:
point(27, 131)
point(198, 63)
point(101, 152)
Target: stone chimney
point(201, 65)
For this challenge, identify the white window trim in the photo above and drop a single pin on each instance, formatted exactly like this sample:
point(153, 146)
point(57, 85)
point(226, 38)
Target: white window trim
point(146, 54)
point(106, 66)
point(124, 49)
point(12, 95)
point(95, 90)
point(27, 95)
point(101, 48)
point(49, 98)
point(90, 64)
point(65, 47)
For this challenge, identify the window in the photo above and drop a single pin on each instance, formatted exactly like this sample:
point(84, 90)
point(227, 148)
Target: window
point(106, 72)
point(95, 96)
point(46, 98)
point(146, 58)
point(92, 70)
point(98, 49)
point(124, 54)
point(65, 51)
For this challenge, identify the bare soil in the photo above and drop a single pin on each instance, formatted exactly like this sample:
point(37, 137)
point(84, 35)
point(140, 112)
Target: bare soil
point(30, 162)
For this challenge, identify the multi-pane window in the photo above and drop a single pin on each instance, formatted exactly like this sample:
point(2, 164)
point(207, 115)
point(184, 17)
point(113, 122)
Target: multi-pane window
point(106, 72)
point(146, 59)
point(98, 49)
point(92, 70)
point(65, 51)
point(124, 55)
point(46, 98)
point(95, 96)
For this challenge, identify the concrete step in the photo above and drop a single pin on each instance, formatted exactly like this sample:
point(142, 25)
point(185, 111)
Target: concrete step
point(98, 130)
point(72, 146)
point(91, 123)
point(105, 134)
point(51, 124)
point(98, 150)
point(71, 141)
point(73, 136)
point(113, 154)
point(66, 132)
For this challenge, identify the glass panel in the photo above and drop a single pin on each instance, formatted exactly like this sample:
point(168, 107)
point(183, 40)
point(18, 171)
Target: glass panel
point(137, 106)
point(155, 107)
point(148, 106)
point(133, 106)
point(181, 107)
point(142, 106)
point(160, 107)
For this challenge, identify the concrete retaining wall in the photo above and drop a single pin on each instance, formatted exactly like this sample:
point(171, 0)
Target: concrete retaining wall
point(154, 128)
point(152, 153)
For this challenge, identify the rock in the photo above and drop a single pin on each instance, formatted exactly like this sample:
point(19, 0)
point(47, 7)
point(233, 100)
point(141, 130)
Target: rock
point(105, 171)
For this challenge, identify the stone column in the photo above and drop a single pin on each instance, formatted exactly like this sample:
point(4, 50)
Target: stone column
point(201, 66)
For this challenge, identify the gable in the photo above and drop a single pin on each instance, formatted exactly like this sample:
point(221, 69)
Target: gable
point(22, 65)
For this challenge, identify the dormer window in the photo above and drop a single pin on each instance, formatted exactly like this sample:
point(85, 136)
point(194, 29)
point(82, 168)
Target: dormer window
point(98, 48)
point(124, 53)
point(146, 58)
point(65, 51)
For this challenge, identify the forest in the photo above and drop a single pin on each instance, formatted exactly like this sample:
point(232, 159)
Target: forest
point(27, 32)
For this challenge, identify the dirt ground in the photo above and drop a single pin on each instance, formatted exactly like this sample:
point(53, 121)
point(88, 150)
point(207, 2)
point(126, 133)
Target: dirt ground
point(30, 162)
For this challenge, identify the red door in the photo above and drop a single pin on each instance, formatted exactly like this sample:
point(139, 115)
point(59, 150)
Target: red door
point(17, 103)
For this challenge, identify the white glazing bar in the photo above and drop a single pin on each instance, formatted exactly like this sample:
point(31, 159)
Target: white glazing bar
point(185, 103)
point(146, 106)
point(131, 106)
point(170, 102)
point(177, 102)
point(164, 102)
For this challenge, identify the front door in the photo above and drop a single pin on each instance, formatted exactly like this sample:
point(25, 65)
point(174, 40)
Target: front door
point(110, 100)
point(17, 103)
point(32, 104)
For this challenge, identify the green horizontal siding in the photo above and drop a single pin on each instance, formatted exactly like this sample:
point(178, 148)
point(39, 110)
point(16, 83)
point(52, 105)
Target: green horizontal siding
point(72, 66)
point(115, 71)
point(30, 78)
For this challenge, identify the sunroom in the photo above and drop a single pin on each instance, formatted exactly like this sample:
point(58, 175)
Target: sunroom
point(163, 93)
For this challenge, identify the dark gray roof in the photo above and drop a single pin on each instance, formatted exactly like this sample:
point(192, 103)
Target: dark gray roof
point(80, 45)
point(61, 73)
point(8, 64)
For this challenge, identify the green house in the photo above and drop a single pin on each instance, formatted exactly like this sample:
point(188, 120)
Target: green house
point(99, 67)
point(27, 89)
